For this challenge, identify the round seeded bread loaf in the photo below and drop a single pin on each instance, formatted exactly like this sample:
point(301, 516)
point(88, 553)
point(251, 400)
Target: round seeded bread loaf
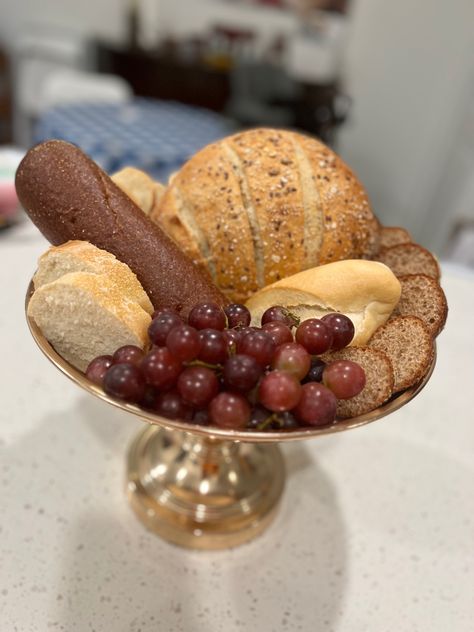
point(265, 204)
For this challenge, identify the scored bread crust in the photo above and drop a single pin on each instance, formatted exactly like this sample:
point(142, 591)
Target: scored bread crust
point(406, 259)
point(84, 315)
point(408, 343)
point(264, 204)
point(366, 291)
point(422, 296)
point(82, 256)
point(379, 380)
point(350, 228)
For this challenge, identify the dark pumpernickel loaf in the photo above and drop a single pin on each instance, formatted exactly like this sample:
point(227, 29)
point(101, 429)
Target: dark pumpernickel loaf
point(379, 380)
point(69, 197)
point(423, 297)
point(409, 259)
point(407, 341)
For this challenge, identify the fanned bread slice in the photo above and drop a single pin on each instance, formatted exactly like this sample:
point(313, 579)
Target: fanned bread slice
point(82, 256)
point(422, 296)
point(84, 315)
point(409, 259)
point(140, 188)
point(409, 345)
point(379, 380)
point(393, 236)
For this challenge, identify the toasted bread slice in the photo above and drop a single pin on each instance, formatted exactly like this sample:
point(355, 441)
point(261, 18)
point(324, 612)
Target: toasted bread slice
point(143, 190)
point(409, 259)
point(84, 315)
point(82, 256)
point(393, 236)
point(379, 380)
point(422, 296)
point(407, 341)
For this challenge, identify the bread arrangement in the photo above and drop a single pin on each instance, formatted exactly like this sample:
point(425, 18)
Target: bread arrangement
point(257, 290)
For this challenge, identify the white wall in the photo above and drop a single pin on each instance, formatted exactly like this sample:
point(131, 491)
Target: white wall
point(102, 17)
point(409, 66)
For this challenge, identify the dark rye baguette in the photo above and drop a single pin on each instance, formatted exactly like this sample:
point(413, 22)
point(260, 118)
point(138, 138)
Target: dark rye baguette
point(69, 197)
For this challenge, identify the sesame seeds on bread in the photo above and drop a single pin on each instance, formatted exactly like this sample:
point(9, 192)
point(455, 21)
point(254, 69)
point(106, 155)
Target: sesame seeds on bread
point(379, 380)
point(405, 259)
point(422, 296)
point(407, 342)
point(264, 204)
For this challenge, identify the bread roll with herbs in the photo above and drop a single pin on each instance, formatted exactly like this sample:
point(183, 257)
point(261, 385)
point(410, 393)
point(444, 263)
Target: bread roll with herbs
point(265, 204)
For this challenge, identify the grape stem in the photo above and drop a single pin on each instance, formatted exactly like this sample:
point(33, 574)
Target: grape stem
point(263, 425)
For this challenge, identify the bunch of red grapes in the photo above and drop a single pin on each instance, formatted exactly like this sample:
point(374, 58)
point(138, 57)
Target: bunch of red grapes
point(218, 370)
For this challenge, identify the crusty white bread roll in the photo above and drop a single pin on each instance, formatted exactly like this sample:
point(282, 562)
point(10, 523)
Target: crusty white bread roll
point(365, 291)
point(140, 188)
point(82, 256)
point(84, 315)
point(265, 204)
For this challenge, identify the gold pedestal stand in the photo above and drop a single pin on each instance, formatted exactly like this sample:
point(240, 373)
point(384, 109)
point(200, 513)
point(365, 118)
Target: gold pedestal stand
point(203, 493)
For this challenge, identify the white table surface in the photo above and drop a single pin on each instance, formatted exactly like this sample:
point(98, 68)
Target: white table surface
point(375, 532)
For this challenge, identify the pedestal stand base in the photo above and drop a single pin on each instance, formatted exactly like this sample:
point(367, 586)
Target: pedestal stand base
point(203, 493)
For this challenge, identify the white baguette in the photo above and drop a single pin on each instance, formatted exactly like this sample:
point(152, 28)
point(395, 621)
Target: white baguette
point(85, 315)
point(365, 291)
point(82, 256)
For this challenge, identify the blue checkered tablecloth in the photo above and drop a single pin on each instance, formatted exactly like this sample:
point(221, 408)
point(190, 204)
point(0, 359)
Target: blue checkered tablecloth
point(155, 136)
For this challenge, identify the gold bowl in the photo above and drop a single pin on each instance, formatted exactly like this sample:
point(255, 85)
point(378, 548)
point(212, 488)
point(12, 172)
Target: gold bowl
point(204, 487)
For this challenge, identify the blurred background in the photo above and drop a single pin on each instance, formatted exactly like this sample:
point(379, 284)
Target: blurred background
point(389, 85)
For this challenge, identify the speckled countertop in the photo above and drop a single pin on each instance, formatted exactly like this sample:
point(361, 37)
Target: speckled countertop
point(375, 531)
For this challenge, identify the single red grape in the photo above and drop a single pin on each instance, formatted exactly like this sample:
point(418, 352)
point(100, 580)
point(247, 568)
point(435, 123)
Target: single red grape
point(130, 354)
point(161, 326)
point(345, 378)
point(125, 381)
point(197, 385)
point(279, 391)
point(160, 368)
point(171, 406)
point(214, 349)
point(207, 316)
point(317, 405)
point(292, 358)
point(342, 329)
point(241, 372)
point(201, 417)
point(259, 345)
point(97, 368)
point(278, 332)
point(232, 337)
point(280, 314)
point(315, 374)
point(237, 315)
point(184, 343)
point(314, 335)
point(229, 410)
